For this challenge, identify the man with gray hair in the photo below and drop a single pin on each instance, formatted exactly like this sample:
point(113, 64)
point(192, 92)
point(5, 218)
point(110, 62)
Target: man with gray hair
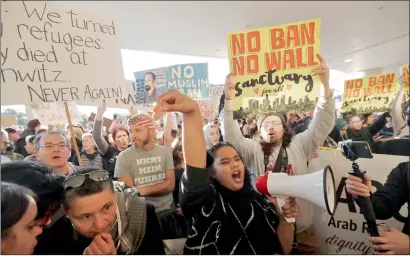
point(53, 148)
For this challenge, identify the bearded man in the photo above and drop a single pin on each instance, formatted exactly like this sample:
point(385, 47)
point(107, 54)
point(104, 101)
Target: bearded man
point(278, 150)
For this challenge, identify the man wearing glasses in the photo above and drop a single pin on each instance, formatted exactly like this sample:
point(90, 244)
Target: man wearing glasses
point(53, 148)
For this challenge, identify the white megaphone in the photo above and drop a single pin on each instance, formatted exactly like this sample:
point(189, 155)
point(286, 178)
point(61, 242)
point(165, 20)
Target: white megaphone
point(317, 187)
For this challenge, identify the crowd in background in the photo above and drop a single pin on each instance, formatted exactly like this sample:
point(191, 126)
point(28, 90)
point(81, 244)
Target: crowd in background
point(135, 189)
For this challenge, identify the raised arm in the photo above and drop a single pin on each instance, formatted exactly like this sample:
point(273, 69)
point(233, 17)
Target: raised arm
point(195, 181)
point(397, 118)
point(99, 140)
point(167, 130)
point(323, 119)
point(231, 132)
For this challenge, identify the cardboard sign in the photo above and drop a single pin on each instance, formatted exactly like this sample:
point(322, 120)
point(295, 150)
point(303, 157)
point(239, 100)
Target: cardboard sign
point(8, 120)
point(405, 72)
point(52, 53)
point(50, 113)
point(209, 107)
point(345, 232)
point(272, 67)
point(369, 94)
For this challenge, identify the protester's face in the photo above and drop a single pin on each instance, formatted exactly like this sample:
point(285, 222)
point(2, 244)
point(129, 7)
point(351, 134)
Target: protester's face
point(88, 143)
point(272, 129)
point(140, 135)
point(30, 148)
point(21, 237)
point(149, 82)
point(121, 139)
point(370, 119)
point(13, 136)
point(94, 214)
point(355, 123)
point(214, 135)
point(53, 151)
point(229, 168)
point(343, 130)
point(3, 143)
point(181, 154)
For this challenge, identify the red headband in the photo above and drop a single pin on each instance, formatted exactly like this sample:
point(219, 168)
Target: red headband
point(140, 121)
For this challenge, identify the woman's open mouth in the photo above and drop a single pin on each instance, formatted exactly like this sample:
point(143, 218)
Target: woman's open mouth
point(237, 176)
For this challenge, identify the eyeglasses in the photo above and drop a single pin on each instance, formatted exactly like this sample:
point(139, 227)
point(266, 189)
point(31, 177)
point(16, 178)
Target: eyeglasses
point(273, 123)
point(78, 180)
point(50, 147)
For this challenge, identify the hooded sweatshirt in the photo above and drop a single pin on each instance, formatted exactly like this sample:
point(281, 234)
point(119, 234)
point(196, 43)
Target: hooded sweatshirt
point(301, 147)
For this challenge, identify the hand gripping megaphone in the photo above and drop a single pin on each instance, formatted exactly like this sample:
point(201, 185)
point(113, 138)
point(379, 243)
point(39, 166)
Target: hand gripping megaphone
point(317, 188)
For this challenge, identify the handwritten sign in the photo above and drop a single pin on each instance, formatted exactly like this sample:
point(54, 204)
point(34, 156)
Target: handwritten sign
point(272, 67)
point(189, 79)
point(346, 231)
point(369, 94)
point(405, 72)
point(209, 107)
point(52, 53)
point(50, 113)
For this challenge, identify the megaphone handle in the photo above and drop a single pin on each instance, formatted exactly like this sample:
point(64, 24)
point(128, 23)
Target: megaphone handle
point(366, 206)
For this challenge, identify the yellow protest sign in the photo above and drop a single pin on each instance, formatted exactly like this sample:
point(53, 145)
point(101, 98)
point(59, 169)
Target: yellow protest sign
point(369, 94)
point(272, 67)
point(405, 72)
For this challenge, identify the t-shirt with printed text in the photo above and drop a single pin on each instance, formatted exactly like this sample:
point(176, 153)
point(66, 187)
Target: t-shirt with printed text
point(147, 168)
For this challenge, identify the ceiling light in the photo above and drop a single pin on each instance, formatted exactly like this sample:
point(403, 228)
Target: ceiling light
point(348, 60)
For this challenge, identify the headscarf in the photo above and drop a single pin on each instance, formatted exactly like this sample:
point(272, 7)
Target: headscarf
point(206, 130)
point(341, 123)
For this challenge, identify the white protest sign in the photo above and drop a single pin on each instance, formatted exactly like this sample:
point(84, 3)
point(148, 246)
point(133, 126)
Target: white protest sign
point(50, 113)
point(52, 53)
point(346, 233)
point(209, 107)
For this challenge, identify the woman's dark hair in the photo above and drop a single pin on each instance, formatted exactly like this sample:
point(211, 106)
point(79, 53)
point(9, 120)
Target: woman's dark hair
point(89, 187)
point(214, 150)
point(39, 178)
point(118, 128)
point(177, 161)
point(14, 204)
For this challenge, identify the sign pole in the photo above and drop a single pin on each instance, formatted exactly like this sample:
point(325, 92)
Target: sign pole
point(70, 124)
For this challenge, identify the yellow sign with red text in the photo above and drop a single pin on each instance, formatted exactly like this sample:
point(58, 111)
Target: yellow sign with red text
point(369, 94)
point(272, 67)
point(405, 72)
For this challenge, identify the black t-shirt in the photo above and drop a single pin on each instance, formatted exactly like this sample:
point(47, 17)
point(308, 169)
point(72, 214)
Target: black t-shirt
point(59, 239)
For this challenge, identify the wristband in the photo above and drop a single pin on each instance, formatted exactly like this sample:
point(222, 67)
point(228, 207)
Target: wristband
point(227, 99)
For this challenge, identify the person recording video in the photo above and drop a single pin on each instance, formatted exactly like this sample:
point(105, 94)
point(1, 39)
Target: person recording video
point(387, 201)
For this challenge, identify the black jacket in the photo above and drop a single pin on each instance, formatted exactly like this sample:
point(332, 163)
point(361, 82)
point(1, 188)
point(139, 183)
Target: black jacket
point(388, 200)
point(20, 147)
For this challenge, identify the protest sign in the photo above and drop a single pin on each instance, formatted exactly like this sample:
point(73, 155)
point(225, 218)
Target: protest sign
point(52, 53)
point(8, 120)
point(272, 67)
point(405, 72)
point(106, 121)
point(189, 79)
point(209, 107)
point(346, 231)
point(369, 94)
point(51, 113)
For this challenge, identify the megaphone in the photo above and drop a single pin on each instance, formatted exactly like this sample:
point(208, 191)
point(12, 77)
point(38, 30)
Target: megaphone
point(317, 188)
